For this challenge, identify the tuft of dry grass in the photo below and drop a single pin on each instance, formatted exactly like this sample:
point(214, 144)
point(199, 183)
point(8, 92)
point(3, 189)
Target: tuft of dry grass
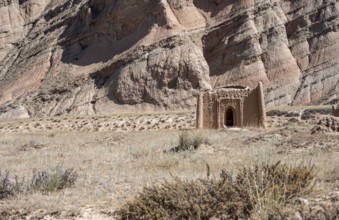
point(189, 141)
point(185, 142)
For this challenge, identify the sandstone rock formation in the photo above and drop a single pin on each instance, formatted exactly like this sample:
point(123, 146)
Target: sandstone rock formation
point(101, 56)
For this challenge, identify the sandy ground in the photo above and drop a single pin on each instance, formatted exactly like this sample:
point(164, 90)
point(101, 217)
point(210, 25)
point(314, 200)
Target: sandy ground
point(116, 156)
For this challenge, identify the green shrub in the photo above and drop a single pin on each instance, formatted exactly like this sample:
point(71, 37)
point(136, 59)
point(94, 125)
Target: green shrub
point(252, 190)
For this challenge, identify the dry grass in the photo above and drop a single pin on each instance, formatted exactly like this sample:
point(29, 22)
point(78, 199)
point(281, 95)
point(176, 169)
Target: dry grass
point(113, 166)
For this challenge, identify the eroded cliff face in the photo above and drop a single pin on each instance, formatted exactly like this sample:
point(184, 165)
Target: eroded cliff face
point(102, 56)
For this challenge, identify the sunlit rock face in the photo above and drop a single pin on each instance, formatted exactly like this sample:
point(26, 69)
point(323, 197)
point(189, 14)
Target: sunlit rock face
point(62, 57)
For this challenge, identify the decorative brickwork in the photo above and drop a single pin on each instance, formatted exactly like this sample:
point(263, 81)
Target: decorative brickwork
point(231, 106)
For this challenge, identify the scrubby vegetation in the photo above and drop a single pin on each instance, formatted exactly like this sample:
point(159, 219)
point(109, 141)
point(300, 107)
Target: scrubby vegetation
point(271, 187)
point(254, 191)
point(189, 141)
point(6, 187)
point(42, 181)
point(58, 179)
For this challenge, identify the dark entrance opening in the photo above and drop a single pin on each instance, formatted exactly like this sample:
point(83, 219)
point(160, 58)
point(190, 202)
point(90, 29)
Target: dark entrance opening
point(229, 117)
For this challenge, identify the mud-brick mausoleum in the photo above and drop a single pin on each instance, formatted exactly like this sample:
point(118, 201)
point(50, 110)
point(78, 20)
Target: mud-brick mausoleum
point(232, 106)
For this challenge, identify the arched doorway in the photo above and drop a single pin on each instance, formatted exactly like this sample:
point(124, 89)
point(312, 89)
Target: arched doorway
point(229, 120)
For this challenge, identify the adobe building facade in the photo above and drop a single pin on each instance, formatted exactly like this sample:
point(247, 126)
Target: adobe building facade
point(335, 111)
point(233, 106)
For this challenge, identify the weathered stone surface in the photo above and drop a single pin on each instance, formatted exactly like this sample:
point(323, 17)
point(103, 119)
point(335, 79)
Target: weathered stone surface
point(17, 112)
point(324, 207)
point(327, 124)
point(128, 54)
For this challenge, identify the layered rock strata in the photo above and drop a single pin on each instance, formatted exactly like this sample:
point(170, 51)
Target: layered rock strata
point(99, 56)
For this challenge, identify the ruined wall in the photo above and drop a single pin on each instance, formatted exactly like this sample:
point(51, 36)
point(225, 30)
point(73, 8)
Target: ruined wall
point(254, 108)
point(335, 111)
point(251, 110)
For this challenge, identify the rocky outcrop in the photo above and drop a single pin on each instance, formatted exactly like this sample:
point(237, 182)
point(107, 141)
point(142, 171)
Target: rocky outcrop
point(110, 56)
point(327, 124)
point(322, 207)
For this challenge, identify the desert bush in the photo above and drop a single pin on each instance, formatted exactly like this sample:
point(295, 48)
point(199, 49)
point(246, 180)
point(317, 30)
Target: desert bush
point(271, 186)
point(252, 190)
point(9, 188)
point(6, 187)
point(199, 199)
point(43, 181)
point(187, 141)
point(58, 179)
point(199, 139)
